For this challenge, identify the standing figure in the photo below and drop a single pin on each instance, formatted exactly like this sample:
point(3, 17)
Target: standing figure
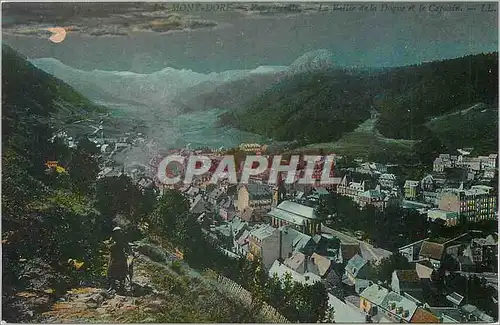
point(117, 266)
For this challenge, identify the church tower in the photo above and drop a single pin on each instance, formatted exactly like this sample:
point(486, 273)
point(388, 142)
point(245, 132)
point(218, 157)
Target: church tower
point(279, 192)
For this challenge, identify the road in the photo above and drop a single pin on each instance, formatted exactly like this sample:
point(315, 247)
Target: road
point(367, 251)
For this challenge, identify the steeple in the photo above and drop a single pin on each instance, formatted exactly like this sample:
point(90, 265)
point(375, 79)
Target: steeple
point(279, 192)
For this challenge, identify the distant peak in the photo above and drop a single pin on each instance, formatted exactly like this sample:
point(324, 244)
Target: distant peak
point(314, 60)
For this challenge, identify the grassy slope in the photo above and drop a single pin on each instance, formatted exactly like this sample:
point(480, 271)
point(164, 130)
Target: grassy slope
point(367, 143)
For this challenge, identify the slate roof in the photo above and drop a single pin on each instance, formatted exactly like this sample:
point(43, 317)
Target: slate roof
point(242, 239)
point(447, 312)
point(355, 264)
point(295, 261)
point(407, 275)
point(345, 313)
point(295, 238)
point(262, 231)
point(285, 215)
point(259, 191)
point(423, 316)
point(299, 209)
point(349, 250)
point(323, 264)
point(237, 225)
point(473, 310)
point(432, 250)
point(361, 284)
point(333, 278)
point(374, 194)
point(375, 293)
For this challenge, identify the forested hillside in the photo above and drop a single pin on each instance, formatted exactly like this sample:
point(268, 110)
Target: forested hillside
point(309, 107)
point(413, 95)
point(321, 107)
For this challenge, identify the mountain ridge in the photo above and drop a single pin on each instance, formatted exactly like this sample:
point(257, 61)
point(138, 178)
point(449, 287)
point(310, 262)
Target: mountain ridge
point(291, 109)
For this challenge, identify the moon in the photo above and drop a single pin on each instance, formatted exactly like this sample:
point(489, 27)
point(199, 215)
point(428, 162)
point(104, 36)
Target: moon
point(58, 34)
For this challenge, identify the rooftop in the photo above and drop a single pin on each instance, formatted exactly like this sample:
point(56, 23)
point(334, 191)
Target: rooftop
point(321, 191)
point(237, 224)
point(247, 214)
point(407, 275)
point(391, 177)
point(263, 231)
point(399, 301)
point(424, 270)
point(259, 191)
point(449, 314)
point(293, 237)
point(242, 239)
point(348, 250)
point(281, 269)
point(355, 264)
point(473, 310)
point(295, 260)
point(345, 313)
point(375, 293)
point(286, 216)
point(298, 209)
point(423, 316)
point(372, 194)
point(455, 298)
point(431, 250)
point(293, 212)
point(411, 183)
point(322, 263)
point(216, 193)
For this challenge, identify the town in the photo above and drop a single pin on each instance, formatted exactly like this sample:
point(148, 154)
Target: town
point(419, 269)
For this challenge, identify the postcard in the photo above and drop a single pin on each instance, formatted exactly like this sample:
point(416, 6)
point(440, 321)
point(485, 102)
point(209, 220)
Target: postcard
point(250, 162)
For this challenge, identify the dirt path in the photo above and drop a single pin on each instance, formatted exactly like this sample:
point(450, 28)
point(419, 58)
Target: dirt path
point(161, 294)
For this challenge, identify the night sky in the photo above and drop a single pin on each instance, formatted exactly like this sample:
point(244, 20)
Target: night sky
point(380, 38)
